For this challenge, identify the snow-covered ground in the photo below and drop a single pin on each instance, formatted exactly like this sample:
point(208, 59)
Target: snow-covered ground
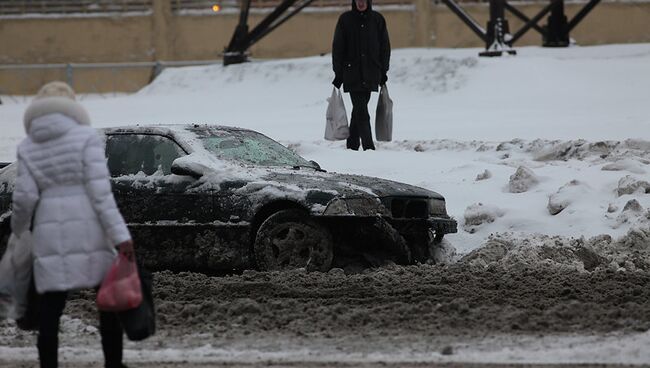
point(550, 142)
point(577, 118)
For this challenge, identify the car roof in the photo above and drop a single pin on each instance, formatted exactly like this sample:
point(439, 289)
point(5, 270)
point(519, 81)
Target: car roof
point(178, 132)
point(169, 129)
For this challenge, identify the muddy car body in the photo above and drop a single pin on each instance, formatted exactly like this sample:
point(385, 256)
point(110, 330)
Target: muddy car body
point(213, 198)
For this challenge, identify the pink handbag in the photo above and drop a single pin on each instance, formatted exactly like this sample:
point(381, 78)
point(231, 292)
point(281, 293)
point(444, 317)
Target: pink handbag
point(121, 289)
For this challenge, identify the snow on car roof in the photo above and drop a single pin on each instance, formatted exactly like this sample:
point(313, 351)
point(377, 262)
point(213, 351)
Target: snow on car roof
point(171, 128)
point(214, 170)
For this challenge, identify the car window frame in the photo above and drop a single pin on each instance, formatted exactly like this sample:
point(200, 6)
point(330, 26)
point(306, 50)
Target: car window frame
point(168, 136)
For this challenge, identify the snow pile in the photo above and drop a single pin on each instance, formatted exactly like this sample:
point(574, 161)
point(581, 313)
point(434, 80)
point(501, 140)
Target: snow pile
point(626, 164)
point(478, 214)
point(630, 253)
point(630, 185)
point(484, 175)
point(522, 180)
point(565, 195)
point(443, 253)
point(632, 215)
point(619, 153)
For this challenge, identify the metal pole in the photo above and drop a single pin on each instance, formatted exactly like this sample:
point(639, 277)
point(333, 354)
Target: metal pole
point(234, 53)
point(157, 69)
point(497, 37)
point(69, 75)
point(557, 29)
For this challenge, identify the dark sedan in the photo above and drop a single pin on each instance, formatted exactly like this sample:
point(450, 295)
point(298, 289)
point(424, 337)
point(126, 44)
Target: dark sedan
point(214, 199)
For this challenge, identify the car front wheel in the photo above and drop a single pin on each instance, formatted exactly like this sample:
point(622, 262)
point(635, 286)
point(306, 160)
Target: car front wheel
point(290, 239)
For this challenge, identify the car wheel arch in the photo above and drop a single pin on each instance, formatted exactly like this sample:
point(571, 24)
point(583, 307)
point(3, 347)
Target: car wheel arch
point(291, 238)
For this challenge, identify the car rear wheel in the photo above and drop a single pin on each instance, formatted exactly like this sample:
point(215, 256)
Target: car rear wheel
point(290, 239)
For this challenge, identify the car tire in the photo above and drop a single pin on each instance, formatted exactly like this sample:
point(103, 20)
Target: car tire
point(290, 239)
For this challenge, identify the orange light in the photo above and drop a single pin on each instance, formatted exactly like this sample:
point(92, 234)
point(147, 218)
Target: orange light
point(216, 8)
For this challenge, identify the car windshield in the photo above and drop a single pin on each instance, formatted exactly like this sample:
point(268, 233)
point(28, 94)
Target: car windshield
point(250, 148)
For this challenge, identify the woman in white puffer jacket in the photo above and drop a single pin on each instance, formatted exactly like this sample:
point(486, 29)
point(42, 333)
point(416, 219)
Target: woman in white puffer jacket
point(63, 191)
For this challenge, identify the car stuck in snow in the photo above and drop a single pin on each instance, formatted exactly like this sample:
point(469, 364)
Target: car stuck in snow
point(216, 199)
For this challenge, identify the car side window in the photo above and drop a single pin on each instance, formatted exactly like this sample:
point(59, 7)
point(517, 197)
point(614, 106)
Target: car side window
point(132, 154)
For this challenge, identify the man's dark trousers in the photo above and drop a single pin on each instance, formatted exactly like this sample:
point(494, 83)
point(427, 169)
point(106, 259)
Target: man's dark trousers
point(360, 122)
point(52, 304)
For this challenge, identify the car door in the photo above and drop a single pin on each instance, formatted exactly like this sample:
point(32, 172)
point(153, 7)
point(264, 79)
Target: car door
point(166, 213)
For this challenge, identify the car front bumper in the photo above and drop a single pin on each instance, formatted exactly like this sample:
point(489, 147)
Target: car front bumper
point(439, 225)
point(443, 225)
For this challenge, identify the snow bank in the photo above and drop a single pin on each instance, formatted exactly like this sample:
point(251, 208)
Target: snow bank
point(478, 214)
point(629, 253)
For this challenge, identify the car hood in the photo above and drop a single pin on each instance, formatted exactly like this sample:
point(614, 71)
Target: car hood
point(349, 186)
point(303, 179)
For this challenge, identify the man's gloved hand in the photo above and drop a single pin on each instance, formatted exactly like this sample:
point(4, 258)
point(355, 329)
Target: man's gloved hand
point(337, 82)
point(384, 79)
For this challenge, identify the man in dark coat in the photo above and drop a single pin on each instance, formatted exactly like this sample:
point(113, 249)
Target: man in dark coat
point(360, 58)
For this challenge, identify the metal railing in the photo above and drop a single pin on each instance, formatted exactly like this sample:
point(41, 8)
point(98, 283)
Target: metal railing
point(18, 7)
point(207, 5)
point(200, 5)
point(98, 78)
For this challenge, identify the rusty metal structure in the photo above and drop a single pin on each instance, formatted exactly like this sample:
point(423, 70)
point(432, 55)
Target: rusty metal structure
point(497, 36)
point(242, 39)
point(236, 51)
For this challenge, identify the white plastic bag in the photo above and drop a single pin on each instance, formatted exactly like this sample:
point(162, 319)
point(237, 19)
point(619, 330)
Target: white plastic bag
point(15, 276)
point(384, 116)
point(336, 127)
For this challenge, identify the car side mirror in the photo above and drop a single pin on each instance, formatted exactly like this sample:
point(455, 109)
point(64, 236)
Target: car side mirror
point(185, 167)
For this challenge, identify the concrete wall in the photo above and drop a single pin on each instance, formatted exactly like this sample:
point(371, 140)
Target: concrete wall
point(62, 40)
point(162, 35)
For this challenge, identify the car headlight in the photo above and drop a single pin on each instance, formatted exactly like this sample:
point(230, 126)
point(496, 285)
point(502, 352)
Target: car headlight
point(355, 207)
point(437, 207)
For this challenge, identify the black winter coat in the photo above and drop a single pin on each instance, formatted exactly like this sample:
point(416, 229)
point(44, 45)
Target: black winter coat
point(360, 50)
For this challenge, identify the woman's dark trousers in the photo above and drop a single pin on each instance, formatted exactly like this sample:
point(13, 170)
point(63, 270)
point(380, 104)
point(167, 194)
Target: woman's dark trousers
point(360, 122)
point(52, 305)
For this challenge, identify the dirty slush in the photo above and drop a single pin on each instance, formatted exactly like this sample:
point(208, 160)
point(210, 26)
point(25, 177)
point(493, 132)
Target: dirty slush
point(538, 285)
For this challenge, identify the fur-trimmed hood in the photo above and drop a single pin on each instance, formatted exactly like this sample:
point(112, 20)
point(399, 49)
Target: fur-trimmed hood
point(55, 98)
point(55, 105)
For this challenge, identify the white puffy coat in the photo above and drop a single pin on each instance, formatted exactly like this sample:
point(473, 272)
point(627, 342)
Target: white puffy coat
point(63, 184)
